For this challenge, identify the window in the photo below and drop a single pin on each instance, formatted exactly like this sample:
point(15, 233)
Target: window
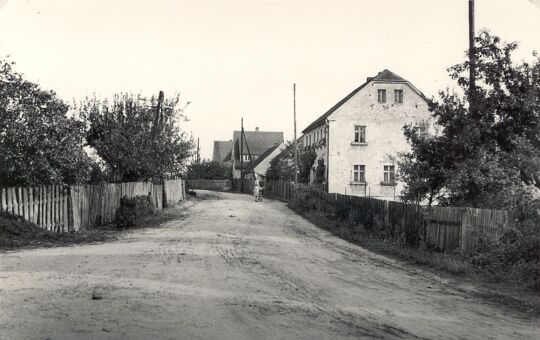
point(421, 127)
point(246, 158)
point(389, 174)
point(381, 96)
point(398, 96)
point(359, 173)
point(359, 134)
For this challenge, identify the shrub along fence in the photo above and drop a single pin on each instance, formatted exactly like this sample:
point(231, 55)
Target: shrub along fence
point(210, 184)
point(72, 208)
point(442, 228)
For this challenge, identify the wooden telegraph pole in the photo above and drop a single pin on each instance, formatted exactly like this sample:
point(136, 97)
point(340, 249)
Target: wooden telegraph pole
point(472, 61)
point(295, 139)
point(198, 160)
point(241, 154)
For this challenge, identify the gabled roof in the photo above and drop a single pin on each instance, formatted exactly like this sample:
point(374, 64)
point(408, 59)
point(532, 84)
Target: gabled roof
point(385, 75)
point(264, 155)
point(221, 150)
point(257, 141)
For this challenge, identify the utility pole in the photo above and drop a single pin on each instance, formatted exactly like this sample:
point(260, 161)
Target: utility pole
point(472, 61)
point(295, 139)
point(198, 151)
point(158, 116)
point(242, 155)
point(198, 160)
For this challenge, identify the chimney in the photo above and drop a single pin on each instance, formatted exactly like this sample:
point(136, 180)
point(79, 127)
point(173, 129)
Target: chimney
point(256, 128)
point(369, 79)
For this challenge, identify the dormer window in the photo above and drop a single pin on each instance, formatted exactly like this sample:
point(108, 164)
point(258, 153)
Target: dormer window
point(381, 96)
point(398, 96)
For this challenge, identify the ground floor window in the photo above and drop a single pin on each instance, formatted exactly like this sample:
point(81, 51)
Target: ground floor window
point(359, 173)
point(389, 174)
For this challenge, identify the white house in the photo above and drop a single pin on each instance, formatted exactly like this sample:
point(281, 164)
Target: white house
point(262, 163)
point(359, 136)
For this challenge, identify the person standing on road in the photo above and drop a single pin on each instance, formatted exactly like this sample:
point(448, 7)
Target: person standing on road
point(257, 190)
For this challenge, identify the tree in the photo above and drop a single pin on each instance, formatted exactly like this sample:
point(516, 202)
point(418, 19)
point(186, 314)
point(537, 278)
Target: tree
point(135, 140)
point(282, 166)
point(484, 155)
point(39, 144)
point(320, 172)
point(209, 170)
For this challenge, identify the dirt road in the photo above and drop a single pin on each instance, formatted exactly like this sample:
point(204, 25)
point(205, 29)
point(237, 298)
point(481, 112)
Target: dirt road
point(236, 269)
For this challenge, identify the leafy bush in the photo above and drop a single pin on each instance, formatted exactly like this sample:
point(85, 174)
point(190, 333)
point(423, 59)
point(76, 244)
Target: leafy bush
point(209, 170)
point(132, 210)
point(282, 166)
point(516, 255)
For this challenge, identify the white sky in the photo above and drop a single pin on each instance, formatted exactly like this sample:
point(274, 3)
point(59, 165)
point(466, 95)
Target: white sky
point(234, 59)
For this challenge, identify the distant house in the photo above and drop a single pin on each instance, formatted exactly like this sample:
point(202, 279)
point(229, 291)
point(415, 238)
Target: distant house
point(221, 150)
point(258, 142)
point(359, 136)
point(262, 163)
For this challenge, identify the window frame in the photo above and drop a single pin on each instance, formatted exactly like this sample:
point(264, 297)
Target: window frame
point(381, 99)
point(359, 174)
point(389, 174)
point(398, 99)
point(358, 132)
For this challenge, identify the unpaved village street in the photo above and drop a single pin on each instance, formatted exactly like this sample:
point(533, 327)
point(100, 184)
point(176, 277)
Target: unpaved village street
point(236, 269)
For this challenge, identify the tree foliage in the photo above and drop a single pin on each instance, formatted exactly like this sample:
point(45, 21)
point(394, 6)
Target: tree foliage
point(39, 144)
point(282, 166)
point(320, 172)
point(485, 154)
point(209, 170)
point(134, 140)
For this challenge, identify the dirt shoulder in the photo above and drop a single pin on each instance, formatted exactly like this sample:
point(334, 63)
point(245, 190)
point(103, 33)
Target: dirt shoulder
point(236, 269)
point(16, 233)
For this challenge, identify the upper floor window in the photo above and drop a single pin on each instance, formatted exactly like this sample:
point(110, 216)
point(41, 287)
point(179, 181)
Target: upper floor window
point(389, 173)
point(359, 173)
point(398, 96)
point(246, 158)
point(359, 134)
point(381, 96)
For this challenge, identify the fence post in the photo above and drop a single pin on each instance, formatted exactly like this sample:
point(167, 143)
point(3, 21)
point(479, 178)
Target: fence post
point(3, 199)
point(464, 231)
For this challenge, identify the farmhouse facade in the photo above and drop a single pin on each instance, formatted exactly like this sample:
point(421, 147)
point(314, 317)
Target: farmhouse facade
point(359, 137)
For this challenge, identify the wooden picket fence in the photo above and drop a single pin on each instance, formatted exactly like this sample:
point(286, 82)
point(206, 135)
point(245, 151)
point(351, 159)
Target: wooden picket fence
point(73, 208)
point(174, 191)
point(45, 206)
point(442, 228)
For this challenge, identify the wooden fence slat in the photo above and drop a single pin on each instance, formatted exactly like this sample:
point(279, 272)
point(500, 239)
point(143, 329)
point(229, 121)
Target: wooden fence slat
point(15, 201)
point(4, 200)
point(57, 208)
point(42, 206)
point(23, 202)
point(50, 207)
point(31, 204)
